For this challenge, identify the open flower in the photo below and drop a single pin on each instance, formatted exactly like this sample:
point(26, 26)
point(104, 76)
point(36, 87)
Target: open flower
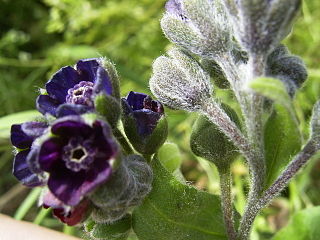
point(71, 90)
point(77, 157)
point(22, 137)
point(144, 122)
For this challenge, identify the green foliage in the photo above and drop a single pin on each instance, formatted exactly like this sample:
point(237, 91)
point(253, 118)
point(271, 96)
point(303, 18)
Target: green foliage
point(281, 135)
point(282, 141)
point(174, 211)
point(170, 157)
point(118, 230)
point(304, 225)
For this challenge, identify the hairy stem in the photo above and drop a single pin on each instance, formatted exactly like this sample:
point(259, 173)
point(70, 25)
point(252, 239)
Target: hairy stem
point(251, 106)
point(216, 115)
point(282, 181)
point(122, 140)
point(226, 203)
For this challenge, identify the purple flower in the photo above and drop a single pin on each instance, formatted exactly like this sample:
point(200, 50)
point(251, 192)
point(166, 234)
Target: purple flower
point(77, 157)
point(69, 215)
point(22, 137)
point(144, 110)
point(71, 90)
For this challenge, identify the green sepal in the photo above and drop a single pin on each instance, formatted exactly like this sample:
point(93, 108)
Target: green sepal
point(146, 144)
point(108, 107)
point(113, 76)
point(118, 230)
point(208, 142)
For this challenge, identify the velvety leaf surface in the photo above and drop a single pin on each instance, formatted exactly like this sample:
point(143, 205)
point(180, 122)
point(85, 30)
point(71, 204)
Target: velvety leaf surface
point(174, 211)
point(119, 230)
point(304, 225)
point(282, 141)
point(169, 155)
point(282, 137)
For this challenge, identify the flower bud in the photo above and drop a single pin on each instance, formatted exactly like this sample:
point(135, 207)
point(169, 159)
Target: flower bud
point(127, 187)
point(179, 81)
point(208, 142)
point(260, 25)
point(288, 68)
point(144, 122)
point(200, 26)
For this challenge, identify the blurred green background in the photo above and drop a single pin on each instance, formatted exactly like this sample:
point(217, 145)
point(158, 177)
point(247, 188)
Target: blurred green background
point(37, 37)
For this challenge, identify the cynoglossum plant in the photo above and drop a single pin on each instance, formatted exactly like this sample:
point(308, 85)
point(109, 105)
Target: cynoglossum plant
point(98, 157)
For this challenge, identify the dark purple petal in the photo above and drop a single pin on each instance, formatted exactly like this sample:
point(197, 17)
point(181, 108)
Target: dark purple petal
point(22, 171)
point(72, 109)
point(135, 100)
point(70, 187)
point(87, 69)
point(34, 129)
point(102, 83)
point(50, 154)
point(71, 126)
point(33, 160)
point(146, 120)
point(46, 104)
point(57, 87)
point(18, 138)
point(103, 138)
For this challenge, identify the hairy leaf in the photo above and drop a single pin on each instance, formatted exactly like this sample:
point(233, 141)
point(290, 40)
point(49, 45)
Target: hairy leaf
point(282, 141)
point(170, 156)
point(174, 211)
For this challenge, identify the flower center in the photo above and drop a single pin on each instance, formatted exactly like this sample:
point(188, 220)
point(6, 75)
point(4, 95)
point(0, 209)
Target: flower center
point(81, 93)
point(78, 154)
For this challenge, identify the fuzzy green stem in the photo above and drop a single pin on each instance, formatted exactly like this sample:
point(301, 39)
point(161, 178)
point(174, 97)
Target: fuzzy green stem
point(226, 203)
point(218, 116)
point(282, 181)
point(123, 141)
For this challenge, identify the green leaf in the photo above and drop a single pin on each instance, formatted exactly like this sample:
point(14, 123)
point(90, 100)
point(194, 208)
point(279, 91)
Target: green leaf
point(118, 230)
point(273, 89)
point(170, 156)
point(304, 225)
point(282, 141)
point(174, 211)
point(281, 136)
point(15, 118)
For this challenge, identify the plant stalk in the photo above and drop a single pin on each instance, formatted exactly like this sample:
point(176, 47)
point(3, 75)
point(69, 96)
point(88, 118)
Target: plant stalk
point(226, 203)
point(282, 181)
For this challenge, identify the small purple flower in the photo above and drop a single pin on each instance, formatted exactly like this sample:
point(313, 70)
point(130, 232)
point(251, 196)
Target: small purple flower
point(77, 157)
point(22, 137)
point(144, 110)
point(71, 90)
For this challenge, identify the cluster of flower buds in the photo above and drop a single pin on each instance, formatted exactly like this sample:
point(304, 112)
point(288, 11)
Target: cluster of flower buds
point(73, 153)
